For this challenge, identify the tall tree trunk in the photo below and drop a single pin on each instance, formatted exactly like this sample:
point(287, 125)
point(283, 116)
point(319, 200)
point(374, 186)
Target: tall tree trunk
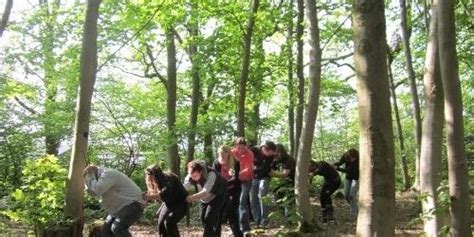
point(172, 150)
point(299, 75)
point(244, 74)
point(431, 143)
point(413, 90)
point(196, 93)
point(256, 85)
point(88, 65)
point(403, 160)
point(457, 162)
point(377, 176)
point(306, 140)
point(291, 81)
point(5, 16)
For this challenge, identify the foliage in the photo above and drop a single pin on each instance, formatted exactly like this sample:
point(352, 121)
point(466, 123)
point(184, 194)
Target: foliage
point(39, 200)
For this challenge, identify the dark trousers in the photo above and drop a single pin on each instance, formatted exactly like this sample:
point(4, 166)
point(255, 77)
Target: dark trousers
point(329, 187)
point(118, 224)
point(232, 211)
point(211, 215)
point(168, 219)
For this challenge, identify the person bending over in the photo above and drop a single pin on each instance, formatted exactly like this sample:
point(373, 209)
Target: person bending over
point(166, 187)
point(211, 188)
point(120, 197)
point(332, 181)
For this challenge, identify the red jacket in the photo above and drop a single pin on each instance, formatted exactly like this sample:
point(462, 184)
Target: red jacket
point(245, 157)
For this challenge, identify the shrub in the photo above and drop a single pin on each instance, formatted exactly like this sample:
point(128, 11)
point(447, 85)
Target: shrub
point(40, 199)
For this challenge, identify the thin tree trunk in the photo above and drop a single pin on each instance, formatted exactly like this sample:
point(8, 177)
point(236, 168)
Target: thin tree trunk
point(413, 89)
point(196, 92)
point(457, 161)
point(403, 160)
point(377, 168)
point(299, 75)
point(304, 154)
point(244, 74)
point(5, 16)
point(88, 65)
point(173, 155)
point(291, 81)
point(431, 143)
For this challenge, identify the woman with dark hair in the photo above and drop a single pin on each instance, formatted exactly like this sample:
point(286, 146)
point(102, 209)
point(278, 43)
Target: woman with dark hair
point(166, 187)
point(332, 181)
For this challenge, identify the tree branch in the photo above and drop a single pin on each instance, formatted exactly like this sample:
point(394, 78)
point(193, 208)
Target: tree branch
point(6, 16)
point(153, 65)
point(335, 32)
point(23, 105)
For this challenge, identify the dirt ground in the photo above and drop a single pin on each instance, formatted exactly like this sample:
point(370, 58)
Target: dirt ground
point(407, 222)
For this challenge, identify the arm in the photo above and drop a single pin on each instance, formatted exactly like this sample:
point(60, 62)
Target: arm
point(102, 184)
point(206, 190)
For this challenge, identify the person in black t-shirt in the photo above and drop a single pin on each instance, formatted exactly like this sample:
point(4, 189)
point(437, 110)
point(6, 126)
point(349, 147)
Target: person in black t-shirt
point(350, 160)
point(212, 189)
point(166, 187)
point(332, 181)
point(283, 167)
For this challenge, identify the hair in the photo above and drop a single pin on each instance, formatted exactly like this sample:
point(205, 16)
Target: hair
point(353, 153)
point(281, 150)
point(270, 145)
point(196, 165)
point(157, 174)
point(240, 141)
point(225, 148)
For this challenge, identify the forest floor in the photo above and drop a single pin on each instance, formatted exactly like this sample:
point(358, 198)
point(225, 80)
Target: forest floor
point(406, 217)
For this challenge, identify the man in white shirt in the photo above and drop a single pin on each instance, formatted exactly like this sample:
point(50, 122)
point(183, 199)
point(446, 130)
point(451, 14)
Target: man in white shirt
point(120, 197)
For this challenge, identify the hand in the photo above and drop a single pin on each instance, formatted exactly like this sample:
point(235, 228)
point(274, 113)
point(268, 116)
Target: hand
point(189, 199)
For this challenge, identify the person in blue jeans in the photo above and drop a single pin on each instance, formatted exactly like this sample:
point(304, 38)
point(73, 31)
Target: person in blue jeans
point(350, 160)
point(261, 182)
point(245, 157)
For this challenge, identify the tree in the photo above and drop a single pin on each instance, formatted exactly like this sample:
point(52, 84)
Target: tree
point(432, 136)
point(311, 111)
point(88, 65)
point(5, 16)
point(377, 173)
point(244, 73)
point(291, 80)
point(413, 89)
point(453, 111)
point(299, 75)
point(172, 150)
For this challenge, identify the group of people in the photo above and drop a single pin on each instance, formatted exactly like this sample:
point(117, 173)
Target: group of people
point(231, 190)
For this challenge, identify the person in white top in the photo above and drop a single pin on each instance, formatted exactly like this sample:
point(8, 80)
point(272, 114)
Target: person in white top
point(120, 197)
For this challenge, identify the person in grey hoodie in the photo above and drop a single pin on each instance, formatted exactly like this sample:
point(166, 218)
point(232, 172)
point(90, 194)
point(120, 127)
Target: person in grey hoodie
point(119, 196)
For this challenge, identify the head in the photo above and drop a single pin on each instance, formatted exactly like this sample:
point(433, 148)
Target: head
point(91, 170)
point(152, 173)
point(281, 151)
point(240, 143)
point(353, 155)
point(224, 155)
point(269, 148)
point(196, 169)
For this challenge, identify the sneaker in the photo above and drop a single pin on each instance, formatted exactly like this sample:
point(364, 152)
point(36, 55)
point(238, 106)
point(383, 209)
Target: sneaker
point(247, 234)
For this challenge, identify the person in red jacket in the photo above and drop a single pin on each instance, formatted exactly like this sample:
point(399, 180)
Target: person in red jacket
point(245, 157)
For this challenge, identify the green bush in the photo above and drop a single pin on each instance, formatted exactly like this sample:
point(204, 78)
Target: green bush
point(40, 199)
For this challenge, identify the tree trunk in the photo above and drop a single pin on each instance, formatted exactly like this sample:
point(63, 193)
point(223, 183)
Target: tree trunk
point(299, 76)
point(457, 162)
point(306, 140)
point(403, 160)
point(377, 174)
point(196, 93)
point(244, 74)
point(88, 65)
point(172, 150)
point(291, 81)
point(5, 16)
point(431, 143)
point(413, 89)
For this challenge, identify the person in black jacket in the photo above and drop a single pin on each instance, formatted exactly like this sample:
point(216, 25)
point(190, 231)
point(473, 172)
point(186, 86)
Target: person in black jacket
point(212, 189)
point(228, 169)
point(332, 181)
point(261, 181)
point(350, 160)
point(166, 187)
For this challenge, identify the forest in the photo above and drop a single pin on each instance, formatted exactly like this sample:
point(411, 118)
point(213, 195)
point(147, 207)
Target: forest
point(133, 83)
